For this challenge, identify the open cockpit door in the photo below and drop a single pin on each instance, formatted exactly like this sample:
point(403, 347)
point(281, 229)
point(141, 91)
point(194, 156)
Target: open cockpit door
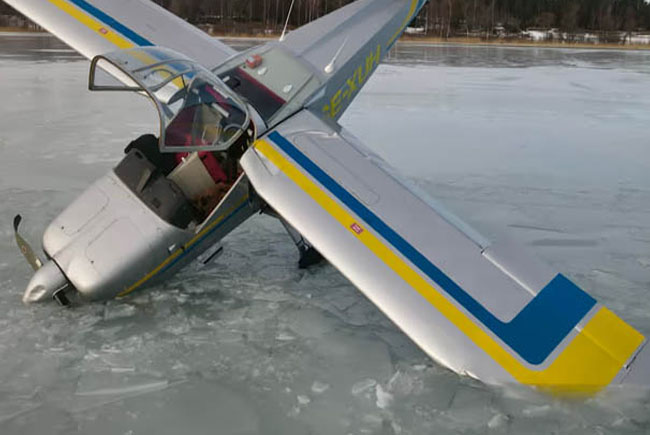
point(197, 111)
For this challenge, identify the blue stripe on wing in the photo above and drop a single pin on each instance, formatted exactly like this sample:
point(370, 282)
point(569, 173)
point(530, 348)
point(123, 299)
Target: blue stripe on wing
point(107, 19)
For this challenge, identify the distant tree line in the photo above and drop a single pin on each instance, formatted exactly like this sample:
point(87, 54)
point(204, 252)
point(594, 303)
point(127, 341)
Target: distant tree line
point(515, 15)
point(439, 17)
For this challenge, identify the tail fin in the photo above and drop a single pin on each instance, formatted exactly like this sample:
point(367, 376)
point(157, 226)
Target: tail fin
point(346, 46)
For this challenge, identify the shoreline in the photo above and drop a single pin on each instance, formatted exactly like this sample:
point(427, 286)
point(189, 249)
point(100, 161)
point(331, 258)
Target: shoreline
point(520, 43)
point(9, 29)
point(409, 39)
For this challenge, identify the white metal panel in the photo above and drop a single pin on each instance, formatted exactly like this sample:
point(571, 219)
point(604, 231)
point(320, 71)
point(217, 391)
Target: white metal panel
point(425, 325)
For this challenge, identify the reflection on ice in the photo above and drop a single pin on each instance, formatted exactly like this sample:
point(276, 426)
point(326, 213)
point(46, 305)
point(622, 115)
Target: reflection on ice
point(251, 344)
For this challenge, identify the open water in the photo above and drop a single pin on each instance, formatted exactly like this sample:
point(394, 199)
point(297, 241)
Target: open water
point(547, 147)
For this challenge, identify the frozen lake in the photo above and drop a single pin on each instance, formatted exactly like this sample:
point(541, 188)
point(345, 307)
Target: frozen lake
point(547, 147)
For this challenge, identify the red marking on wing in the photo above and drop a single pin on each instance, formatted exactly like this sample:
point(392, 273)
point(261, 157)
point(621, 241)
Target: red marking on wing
point(356, 228)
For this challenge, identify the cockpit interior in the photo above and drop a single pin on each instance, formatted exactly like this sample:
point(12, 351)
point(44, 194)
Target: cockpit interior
point(183, 172)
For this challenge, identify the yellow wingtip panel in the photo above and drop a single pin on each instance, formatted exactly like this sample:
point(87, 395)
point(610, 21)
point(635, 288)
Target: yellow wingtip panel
point(615, 336)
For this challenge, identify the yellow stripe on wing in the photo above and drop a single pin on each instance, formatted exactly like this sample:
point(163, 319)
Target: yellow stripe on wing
point(111, 35)
point(93, 24)
point(588, 363)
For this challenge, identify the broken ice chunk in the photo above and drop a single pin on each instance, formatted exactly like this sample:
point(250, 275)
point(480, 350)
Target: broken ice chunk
point(384, 398)
point(319, 387)
point(118, 311)
point(363, 386)
point(303, 400)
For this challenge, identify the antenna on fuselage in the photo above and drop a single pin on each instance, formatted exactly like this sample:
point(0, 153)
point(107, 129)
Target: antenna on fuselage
point(286, 23)
point(329, 68)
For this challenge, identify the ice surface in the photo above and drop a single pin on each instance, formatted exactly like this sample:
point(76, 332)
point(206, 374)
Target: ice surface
point(547, 146)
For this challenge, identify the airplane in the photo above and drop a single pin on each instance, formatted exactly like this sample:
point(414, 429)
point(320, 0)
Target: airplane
point(257, 131)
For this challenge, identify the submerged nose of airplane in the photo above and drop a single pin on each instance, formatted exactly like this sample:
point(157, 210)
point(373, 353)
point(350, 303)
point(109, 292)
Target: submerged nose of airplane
point(45, 282)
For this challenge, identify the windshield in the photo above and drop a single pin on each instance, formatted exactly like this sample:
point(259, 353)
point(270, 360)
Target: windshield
point(197, 111)
point(271, 80)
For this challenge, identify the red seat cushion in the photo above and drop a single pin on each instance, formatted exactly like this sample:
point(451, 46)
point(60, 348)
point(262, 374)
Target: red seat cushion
point(178, 134)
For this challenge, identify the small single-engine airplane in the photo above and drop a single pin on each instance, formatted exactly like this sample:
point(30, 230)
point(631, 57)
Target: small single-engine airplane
point(257, 131)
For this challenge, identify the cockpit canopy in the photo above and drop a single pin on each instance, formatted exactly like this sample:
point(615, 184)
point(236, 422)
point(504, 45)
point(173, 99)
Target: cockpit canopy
point(197, 111)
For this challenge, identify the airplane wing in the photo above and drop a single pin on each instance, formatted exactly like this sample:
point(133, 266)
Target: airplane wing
point(490, 312)
point(95, 27)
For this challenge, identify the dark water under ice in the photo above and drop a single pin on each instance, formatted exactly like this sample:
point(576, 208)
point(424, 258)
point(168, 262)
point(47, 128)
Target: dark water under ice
point(548, 147)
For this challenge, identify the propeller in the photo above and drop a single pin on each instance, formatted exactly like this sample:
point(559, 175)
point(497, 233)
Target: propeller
point(26, 250)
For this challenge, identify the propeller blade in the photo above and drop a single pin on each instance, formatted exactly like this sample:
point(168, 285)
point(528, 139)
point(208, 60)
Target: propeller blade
point(25, 248)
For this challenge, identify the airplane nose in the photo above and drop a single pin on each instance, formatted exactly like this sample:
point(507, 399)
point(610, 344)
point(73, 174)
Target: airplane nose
point(45, 282)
